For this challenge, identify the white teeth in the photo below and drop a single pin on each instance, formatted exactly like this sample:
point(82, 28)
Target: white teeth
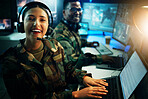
point(36, 30)
point(76, 17)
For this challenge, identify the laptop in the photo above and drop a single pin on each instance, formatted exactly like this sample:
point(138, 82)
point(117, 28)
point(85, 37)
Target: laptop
point(123, 85)
point(119, 61)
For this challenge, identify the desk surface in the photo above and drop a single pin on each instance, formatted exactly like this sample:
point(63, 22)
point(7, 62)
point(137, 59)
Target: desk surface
point(14, 36)
point(100, 73)
point(95, 52)
point(101, 40)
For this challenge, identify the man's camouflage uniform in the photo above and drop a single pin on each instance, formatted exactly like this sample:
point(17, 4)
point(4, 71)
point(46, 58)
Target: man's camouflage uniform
point(27, 78)
point(72, 44)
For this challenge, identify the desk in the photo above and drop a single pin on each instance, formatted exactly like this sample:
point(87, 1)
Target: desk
point(10, 40)
point(14, 36)
point(95, 52)
point(101, 40)
point(100, 73)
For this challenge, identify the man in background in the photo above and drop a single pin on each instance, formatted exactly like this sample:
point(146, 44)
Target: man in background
point(66, 32)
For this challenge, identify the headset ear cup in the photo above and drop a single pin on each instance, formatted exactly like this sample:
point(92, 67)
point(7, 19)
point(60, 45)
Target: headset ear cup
point(49, 30)
point(79, 26)
point(20, 27)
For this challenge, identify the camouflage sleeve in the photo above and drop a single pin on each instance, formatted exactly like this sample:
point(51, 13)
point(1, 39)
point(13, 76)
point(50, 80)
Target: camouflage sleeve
point(69, 51)
point(68, 94)
point(73, 75)
point(76, 75)
point(16, 80)
point(13, 84)
point(19, 88)
point(3, 90)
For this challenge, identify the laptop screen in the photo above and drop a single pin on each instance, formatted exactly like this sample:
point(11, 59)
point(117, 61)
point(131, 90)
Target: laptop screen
point(131, 75)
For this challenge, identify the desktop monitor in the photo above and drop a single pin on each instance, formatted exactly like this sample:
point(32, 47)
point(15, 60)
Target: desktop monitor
point(123, 23)
point(100, 16)
point(121, 32)
point(8, 15)
point(5, 26)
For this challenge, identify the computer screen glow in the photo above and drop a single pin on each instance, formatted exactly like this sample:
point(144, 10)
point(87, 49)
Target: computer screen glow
point(131, 75)
point(121, 32)
point(100, 16)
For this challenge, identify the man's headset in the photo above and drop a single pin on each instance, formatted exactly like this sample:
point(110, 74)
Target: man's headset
point(72, 26)
point(20, 25)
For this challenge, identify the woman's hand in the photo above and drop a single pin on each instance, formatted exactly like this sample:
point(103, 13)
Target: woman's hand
point(94, 82)
point(90, 92)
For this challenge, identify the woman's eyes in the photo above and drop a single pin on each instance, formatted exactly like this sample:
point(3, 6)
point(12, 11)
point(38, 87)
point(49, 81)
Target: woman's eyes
point(42, 19)
point(33, 19)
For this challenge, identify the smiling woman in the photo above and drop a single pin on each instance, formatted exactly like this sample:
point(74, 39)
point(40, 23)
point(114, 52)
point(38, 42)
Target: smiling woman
point(37, 67)
point(35, 24)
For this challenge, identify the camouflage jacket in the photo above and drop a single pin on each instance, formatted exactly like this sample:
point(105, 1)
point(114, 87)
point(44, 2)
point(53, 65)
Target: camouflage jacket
point(27, 78)
point(72, 44)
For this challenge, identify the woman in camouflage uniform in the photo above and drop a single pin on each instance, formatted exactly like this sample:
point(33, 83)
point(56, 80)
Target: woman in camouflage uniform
point(38, 69)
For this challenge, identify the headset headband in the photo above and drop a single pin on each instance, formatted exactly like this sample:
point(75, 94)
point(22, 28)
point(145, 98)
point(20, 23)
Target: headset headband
point(31, 4)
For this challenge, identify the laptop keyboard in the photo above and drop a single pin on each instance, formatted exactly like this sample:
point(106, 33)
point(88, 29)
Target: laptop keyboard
point(112, 89)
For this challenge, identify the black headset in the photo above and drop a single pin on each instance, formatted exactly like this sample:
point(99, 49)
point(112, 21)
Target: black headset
point(72, 26)
point(20, 25)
